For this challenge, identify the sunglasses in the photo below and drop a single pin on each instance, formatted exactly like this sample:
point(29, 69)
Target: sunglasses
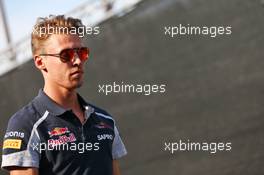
point(67, 55)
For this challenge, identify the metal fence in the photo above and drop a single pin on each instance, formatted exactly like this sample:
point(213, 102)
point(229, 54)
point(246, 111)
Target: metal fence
point(91, 12)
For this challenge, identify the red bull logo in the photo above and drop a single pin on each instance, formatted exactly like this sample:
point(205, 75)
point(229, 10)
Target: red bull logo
point(62, 140)
point(58, 131)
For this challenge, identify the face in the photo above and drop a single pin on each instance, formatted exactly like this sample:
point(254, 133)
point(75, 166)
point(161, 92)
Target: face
point(69, 74)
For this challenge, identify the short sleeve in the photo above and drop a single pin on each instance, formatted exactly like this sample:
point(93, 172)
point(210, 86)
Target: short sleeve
point(20, 144)
point(118, 149)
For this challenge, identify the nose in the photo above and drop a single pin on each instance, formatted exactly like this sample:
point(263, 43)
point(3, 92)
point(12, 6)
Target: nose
point(76, 60)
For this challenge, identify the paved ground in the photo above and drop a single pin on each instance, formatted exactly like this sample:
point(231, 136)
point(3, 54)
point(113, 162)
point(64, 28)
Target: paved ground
point(214, 86)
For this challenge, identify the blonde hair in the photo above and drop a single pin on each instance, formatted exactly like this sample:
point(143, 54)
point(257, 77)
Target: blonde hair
point(45, 27)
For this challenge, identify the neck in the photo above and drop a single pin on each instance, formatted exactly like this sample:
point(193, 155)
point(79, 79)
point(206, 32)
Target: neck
point(62, 96)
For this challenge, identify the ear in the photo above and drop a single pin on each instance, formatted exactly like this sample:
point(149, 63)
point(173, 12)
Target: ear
point(40, 63)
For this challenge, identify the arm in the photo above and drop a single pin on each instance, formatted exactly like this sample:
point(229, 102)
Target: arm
point(118, 151)
point(23, 171)
point(116, 170)
point(18, 155)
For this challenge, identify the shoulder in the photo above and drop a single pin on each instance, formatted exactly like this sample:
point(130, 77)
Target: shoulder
point(24, 117)
point(102, 113)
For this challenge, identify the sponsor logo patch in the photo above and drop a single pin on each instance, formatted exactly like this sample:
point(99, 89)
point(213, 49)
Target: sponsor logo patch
point(62, 140)
point(104, 137)
point(58, 131)
point(63, 136)
point(12, 143)
point(14, 134)
point(102, 125)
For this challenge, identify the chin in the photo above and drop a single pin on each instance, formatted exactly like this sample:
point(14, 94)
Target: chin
point(78, 84)
point(74, 85)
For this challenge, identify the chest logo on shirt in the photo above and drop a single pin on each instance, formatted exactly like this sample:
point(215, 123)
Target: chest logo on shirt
point(64, 136)
point(58, 131)
point(105, 137)
point(103, 125)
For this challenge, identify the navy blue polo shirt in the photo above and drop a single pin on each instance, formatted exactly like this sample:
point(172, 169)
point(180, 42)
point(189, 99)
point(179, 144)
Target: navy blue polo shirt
point(44, 135)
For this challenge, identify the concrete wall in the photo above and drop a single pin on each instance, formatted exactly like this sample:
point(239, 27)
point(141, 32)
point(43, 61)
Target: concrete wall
point(214, 86)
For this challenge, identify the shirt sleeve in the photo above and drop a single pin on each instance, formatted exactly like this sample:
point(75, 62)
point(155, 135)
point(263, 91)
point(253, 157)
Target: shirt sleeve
point(20, 144)
point(119, 149)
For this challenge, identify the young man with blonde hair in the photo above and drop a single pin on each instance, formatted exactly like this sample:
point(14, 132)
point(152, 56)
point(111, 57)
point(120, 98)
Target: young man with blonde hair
point(58, 132)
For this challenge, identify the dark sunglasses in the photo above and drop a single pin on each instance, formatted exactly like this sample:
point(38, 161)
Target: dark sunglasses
point(68, 54)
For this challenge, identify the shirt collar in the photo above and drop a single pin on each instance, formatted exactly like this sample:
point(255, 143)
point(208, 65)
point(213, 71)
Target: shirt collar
point(45, 103)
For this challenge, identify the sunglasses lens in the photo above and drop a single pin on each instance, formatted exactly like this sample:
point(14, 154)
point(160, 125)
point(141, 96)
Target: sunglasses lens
point(67, 54)
point(83, 53)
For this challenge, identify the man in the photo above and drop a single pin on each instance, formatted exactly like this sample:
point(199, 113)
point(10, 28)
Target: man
point(58, 132)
